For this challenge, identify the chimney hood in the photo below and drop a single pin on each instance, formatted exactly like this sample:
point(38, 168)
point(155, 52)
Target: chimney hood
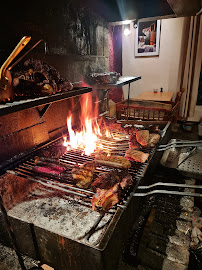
point(120, 10)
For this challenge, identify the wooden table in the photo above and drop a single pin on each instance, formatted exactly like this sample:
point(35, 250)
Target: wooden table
point(159, 96)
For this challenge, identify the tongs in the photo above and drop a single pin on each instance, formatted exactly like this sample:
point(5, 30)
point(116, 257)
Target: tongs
point(177, 144)
point(188, 155)
point(171, 192)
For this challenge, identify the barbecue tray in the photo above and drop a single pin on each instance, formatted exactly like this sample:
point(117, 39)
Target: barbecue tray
point(177, 157)
point(64, 232)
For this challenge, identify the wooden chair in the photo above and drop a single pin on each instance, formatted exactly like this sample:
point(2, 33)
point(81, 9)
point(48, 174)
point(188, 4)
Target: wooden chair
point(149, 110)
point(176, 105)
point(142, 109)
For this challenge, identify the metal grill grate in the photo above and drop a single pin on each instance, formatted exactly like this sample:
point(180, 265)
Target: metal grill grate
point(65, 183)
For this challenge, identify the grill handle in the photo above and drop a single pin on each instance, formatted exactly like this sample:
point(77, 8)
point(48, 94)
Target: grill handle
point(171, 192)
point(167, 192)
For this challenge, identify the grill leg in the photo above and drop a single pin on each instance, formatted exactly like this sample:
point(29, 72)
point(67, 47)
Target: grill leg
point(11, 235)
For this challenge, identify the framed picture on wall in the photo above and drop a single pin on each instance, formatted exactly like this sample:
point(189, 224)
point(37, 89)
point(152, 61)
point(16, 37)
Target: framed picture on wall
point(147, 38)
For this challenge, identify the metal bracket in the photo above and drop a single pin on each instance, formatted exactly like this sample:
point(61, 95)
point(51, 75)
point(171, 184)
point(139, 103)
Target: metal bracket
point(43, 111)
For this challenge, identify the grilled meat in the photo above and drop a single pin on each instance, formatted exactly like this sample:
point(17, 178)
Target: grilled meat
point(37, 78)
point(109, 187)
point(126, 182)
point(55, 151)
point(83, 174)
point(50, 169)
point(142, 137)
point(153, 139)
point(136, 155)
point(47, 166)
point(106, 199)
point(108, 180)
point(113, 161)
point(133, 142)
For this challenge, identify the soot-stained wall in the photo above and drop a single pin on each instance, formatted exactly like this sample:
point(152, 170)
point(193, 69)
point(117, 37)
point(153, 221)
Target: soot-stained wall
point(76, 39)
point(76, 43)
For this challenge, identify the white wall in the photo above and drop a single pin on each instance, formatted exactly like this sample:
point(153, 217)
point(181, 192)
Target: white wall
point(156, 71)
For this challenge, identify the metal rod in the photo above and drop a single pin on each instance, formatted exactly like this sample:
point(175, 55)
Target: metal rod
point(179, 144)
point(128, 100)
point(188, 156)
point(11, 234)
point(59, 184)
point(88, 234)
point(167, 192)
point(169, 185)
point(46, 184)
point(16, 62)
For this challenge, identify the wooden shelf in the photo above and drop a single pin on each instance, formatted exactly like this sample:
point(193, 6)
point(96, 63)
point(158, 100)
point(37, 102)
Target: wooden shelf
point(30, 103)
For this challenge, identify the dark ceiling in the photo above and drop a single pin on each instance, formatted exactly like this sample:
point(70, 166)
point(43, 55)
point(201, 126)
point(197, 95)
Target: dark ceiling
point(35, 14)
point(119, 10)
point(111, 10)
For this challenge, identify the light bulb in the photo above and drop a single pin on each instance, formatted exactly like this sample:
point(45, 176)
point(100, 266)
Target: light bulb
point(126, 30)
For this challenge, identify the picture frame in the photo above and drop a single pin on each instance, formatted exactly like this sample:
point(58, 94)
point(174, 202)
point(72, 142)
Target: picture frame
point(147, 38)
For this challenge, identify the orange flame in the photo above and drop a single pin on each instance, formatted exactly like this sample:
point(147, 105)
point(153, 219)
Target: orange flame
point(88, 137)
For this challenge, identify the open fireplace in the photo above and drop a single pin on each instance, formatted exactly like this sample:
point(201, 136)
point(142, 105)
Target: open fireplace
point(52, 218)
point(80, 189)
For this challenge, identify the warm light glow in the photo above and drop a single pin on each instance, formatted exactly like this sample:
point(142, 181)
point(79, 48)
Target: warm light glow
point(126, 32)
point(126, 22)
point(126, 29)
point(87, 138)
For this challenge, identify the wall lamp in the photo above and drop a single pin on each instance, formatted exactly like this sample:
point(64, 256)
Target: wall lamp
point(135, 22)
point(126, 29)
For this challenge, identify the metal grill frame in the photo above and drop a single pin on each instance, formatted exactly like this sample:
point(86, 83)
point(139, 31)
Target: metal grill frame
point(102, 256)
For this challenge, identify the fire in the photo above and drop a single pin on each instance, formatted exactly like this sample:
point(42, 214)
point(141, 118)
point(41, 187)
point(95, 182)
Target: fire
point(88, 137)
point(85, 139)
